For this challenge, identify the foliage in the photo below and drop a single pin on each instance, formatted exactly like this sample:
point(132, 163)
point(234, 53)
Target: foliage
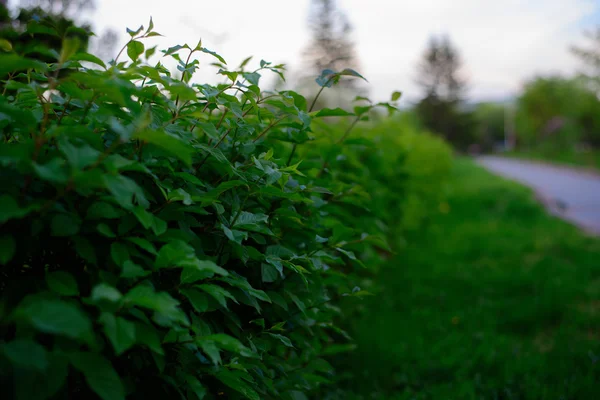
point(557, 112)
point(441, 108)
point(36, 34)
point(494, 300)
point(161, 238)
point(490, 119)
point(400, 166)
point(590, 56)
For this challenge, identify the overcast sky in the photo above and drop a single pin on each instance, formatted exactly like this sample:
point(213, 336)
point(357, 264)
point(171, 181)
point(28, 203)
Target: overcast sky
point(502, 43)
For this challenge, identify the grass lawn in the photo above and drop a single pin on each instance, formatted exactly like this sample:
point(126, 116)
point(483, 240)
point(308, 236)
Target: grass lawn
point(493, 300)
point(589, 159)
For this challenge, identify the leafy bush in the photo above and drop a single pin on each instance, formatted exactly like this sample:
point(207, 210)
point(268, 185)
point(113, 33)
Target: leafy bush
point(159, 238)
point(401, 167)
point(557, 112)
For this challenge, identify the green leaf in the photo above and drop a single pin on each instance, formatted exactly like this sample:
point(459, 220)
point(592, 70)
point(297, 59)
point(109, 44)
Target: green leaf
point(85, 249)
point(203, 269)
point(232, 380)
point(285, 340)
point(25, 353)
point(5, 45)
point(197, 388)
point(175, 254)
point(100, 210)
point(62, 283)
point(132, 270)
point(252, 77)
point(327, 78)
point(146, 334)
point(99, 375)
point(88, 58)
point(14, 63)
point(78, 157)
point(332, 112)
point(269, 273)
point(105, 230)
point(70, 45)
point(168, 143)
point(351, 72)
point(119, 253)
point(143, 244)
point(7, 249)
point(135, 49)
point(64, 225)
point(145, 296)
point(197, 299)
point(53, 171)
point(212, 53)
point(105, 292)
point(228, 343)
point(124, 191)
point(119, 331)
point(56, 317)
point(9, 209)
point(396, 96)
point(212, 351)
point(218, 293)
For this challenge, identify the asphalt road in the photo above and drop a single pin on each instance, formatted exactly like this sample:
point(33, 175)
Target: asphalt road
point(571, 194)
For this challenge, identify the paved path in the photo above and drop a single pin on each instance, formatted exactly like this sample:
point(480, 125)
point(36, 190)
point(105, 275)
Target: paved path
point(568, 193)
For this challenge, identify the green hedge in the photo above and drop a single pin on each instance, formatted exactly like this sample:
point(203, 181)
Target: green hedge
point(162, 238)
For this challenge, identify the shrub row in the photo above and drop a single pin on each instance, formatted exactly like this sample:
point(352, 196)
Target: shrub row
point(165, 238)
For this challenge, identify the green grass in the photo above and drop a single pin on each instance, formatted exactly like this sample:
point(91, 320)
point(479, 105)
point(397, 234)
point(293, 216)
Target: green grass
point(589, 159)
point(493, 300)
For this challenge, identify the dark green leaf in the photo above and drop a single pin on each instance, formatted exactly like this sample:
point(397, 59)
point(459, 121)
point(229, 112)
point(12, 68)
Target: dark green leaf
point(99, 375)
point(7, 249)
point(25, 353)
point(168, 143)
point(119, 331)
point(286, 341)
point(14, 63)
point(64, 225)
point(332, 112)
point(218, 293)
point(197, 299)
point(62, 283)
point(56, 317)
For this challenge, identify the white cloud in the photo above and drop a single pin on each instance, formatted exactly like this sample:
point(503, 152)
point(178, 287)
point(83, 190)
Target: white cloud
point(502, 42)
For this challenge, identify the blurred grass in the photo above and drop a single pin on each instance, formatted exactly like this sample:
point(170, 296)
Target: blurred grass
point(493, 300)
point(588, 159)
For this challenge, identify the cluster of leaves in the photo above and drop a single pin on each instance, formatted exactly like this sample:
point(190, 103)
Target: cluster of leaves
point(159, 237)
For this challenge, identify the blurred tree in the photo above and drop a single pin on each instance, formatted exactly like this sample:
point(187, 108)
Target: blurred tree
point(37, 34)
point(72, 10)
point(330, 46)
point(442, 110)
point(591, 58)
point(61, 8)
point(558, 112)
point(439, 71)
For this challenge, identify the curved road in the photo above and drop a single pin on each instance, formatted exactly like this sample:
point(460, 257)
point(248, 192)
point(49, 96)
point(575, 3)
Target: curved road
point(571, 194)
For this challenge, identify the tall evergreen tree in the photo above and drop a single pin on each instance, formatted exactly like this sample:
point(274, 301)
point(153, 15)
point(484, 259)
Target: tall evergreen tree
point(440, 71)
point(439, 75)
point(330, 46)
